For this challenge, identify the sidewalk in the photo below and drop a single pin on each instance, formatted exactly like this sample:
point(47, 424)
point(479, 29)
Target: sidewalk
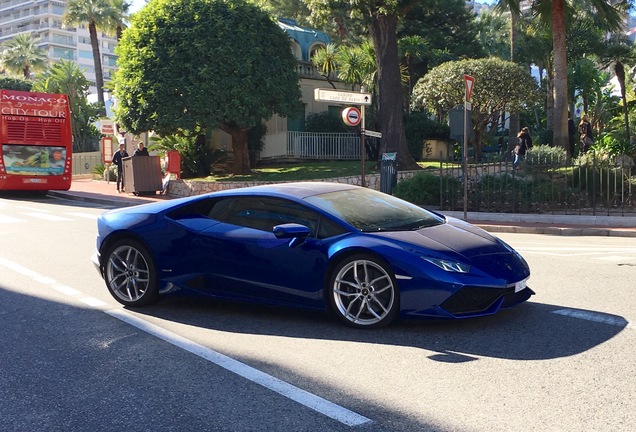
point(101, 192)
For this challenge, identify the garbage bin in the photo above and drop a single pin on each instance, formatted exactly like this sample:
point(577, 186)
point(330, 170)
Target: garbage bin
point(388, 172)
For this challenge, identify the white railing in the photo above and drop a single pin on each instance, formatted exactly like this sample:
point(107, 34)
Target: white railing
point(312, 145)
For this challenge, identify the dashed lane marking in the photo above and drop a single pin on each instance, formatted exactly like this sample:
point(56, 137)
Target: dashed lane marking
point(283, 388)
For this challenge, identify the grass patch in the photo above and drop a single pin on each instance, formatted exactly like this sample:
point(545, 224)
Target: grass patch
point(307, 171)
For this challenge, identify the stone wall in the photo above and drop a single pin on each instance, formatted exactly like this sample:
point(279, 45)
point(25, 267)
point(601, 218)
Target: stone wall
point(183, 188)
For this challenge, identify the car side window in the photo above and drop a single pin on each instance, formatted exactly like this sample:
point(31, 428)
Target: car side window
point(263, 213)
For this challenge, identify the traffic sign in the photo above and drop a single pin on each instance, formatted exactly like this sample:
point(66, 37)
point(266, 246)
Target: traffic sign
point(469, 82)
point(373, 133)
point(351, 116)
point(342, 97)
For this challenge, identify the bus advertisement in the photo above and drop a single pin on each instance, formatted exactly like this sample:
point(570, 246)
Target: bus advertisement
point(36, 144)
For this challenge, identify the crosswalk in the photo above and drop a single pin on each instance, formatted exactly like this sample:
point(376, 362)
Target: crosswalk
point(20, 214)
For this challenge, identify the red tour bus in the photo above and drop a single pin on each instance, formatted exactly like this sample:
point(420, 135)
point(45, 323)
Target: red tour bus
point(36, 144)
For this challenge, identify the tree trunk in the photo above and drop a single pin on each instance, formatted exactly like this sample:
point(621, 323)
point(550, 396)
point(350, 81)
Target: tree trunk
point(549, 102)
point(560, 137)
point(513, 121)
point(240, 156)
point(99, 75)
point(390, 113)
point(619, 70)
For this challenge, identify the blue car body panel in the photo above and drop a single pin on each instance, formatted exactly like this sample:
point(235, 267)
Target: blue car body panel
point(199, 254)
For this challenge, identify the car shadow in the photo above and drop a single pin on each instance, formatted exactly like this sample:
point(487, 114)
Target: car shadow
point(531, 331)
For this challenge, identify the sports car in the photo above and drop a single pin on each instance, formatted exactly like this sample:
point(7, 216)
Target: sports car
point(367, 256)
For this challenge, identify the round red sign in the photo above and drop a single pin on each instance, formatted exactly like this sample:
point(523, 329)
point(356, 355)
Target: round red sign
point(351, 116)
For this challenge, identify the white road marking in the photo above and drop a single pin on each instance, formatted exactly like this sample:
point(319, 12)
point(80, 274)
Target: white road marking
point(294, 393)
point(84, 215)
point(595, 317)
point(48, 217)
point(283, 388)
point(10, 219)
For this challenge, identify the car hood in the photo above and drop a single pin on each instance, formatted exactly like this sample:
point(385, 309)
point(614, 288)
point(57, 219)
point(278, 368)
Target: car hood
point(453, 236)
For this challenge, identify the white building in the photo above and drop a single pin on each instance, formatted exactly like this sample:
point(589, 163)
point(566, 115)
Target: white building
point(43, 20)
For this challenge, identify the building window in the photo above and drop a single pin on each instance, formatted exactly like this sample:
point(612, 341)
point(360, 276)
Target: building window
point(66, 54)
point(110, 60)
point(62, 39)
point(85, 54)
point(84, 40)
point(58, 9)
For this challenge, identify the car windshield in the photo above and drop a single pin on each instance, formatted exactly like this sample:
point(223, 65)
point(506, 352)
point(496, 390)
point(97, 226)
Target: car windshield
point(369, 210)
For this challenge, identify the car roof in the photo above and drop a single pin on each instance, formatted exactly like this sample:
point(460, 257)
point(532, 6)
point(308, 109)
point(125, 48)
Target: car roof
point(298, 190)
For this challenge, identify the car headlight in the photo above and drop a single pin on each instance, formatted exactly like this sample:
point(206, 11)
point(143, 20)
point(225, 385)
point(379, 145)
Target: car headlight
point(448, 265)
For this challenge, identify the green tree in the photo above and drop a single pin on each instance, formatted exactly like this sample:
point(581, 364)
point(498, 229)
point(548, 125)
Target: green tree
point(620, 52)
point(97, 15)
point(382, 19)
point(512, 90)
point(188, 66)
point(608, 14)
point(14, 83)
point(67, 78)
point(325, 61)
point(22, 56)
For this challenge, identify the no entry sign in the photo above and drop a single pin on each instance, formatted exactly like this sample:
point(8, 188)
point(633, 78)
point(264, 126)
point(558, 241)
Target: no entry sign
point(351, 116)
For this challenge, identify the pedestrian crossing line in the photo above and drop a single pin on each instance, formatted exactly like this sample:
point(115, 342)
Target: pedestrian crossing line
point(84, 215)
point(595, 317)
point(10, 219)
point(47, 217)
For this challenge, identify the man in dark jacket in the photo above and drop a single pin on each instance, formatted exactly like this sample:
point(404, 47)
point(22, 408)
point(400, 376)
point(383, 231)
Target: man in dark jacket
point(141, 150)
point(117, 160)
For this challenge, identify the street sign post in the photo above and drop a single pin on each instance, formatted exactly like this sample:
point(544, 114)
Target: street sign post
point(348, 115)
point(351, 116)
point(373, 134)
point(469, 84)
point(342, 97)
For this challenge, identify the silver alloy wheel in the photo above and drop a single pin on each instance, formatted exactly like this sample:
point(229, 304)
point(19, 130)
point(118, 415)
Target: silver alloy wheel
point(363, 292)
point(127, 273)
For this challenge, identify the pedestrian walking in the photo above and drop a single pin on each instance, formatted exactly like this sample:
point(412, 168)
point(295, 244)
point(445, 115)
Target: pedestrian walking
point(118, 160)
point(585, 133)
point(524, 143)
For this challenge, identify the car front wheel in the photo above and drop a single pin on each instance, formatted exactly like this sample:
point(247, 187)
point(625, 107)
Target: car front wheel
point(130, 274)
point(363, 292)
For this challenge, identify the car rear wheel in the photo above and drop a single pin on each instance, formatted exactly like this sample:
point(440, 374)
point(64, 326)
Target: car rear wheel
point(363, 292)
point(130, 274)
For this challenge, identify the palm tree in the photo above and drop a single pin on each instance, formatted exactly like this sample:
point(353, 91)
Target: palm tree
point(66, 77)
point(97, 14)
point(118, 17)
point(608, 14)
point(22, 55)
point(619, 52)
point(325, 61)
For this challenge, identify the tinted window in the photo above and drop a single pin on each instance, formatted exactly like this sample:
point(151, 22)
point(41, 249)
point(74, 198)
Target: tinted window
point(264, 213)
point(369, 210)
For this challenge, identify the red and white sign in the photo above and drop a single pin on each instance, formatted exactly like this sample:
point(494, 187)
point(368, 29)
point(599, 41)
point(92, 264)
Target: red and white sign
point(469, 82)
point(351, 116)
point(108, 127)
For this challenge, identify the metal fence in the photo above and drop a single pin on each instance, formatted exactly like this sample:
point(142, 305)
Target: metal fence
point(591, 188)
point(83, 163)
point(323, 146)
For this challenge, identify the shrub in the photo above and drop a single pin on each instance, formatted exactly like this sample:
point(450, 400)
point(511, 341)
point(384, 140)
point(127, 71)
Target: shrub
point(424, 188)
point(419, 127)
point(327, 121)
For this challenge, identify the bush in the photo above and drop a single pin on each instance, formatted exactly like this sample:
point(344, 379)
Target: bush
point(419, 127)
point(545, 154)
point(424, 188)
point(327, 121)
point(99, 171)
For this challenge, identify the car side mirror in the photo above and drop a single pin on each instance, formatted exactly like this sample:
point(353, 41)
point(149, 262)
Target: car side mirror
point(296, 232)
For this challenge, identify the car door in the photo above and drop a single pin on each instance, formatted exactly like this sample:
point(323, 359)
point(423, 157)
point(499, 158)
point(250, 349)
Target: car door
point(247, 261)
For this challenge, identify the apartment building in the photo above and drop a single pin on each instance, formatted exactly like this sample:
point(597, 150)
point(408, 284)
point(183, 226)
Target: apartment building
point(43, 19)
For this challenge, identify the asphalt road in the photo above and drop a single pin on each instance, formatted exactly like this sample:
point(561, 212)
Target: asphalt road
point(75, 360)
